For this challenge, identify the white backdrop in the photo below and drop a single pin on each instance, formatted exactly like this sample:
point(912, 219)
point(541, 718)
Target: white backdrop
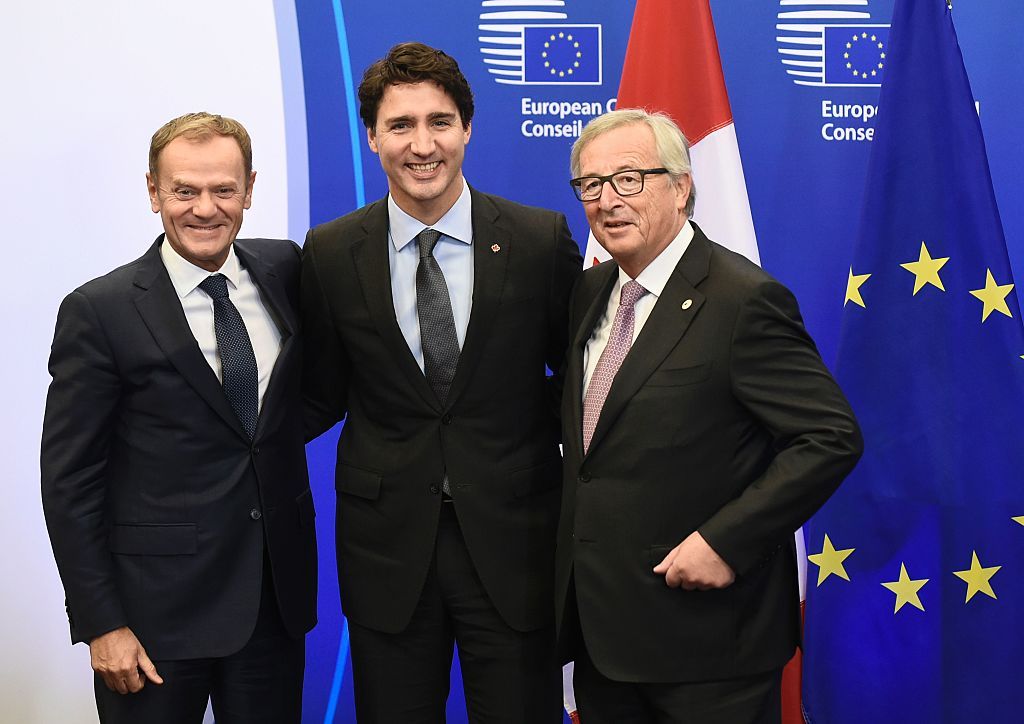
point(85, 85)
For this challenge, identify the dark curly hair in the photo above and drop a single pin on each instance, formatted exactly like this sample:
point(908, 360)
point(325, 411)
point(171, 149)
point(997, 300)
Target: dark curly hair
point(413, 63)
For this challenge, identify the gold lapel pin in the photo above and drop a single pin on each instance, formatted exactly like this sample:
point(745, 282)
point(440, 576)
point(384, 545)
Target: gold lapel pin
point(687, 304)
point(495, 248)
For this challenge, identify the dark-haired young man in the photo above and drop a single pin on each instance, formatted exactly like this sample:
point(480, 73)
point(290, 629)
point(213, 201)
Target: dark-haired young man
point(433, 314)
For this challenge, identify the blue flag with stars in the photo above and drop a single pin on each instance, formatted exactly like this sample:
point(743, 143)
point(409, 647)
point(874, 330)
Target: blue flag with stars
point(916, 565)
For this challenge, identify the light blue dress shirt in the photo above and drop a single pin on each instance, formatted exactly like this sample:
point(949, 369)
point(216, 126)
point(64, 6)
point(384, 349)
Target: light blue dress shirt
point(454, 254)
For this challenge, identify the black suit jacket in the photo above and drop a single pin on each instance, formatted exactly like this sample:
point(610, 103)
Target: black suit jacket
point(496, 436)
point(158, 506)
point(722, 419)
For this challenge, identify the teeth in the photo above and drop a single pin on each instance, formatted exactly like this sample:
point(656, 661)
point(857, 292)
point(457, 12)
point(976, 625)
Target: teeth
point(424, 166)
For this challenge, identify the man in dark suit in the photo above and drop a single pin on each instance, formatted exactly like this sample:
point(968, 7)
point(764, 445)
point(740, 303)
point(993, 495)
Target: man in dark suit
point(431, 316)
point(701, 429)
point(173, 468)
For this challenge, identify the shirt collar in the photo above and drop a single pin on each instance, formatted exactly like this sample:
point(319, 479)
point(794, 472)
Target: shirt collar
point(656, 275)
point(456, 224)
point(186, 276)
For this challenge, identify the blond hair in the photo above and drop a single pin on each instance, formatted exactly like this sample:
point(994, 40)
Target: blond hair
point(198, 127)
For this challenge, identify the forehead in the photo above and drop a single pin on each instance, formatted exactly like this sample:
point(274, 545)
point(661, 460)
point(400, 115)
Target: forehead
point(630, 146)
point(214, 157)
point(415, 99)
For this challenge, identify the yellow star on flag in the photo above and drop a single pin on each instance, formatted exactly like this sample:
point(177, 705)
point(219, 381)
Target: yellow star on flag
point(926, 270)
point(906, 590)
point(977, 578)
point(1019, 519)
point(830, 561)
point(853, 285)
point(993, 296)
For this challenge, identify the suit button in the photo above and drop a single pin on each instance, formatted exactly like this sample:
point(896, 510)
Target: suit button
point(435, 489)
point(256, 450)
point(584, 477)
point(255, 514)
point(446, 420)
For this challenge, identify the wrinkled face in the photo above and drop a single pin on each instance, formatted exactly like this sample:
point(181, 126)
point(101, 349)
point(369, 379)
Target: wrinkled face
point(421, 142)
point(200, 191)
point(633, 229)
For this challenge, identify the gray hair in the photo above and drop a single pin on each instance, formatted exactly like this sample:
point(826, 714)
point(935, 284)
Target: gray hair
point(673, 148)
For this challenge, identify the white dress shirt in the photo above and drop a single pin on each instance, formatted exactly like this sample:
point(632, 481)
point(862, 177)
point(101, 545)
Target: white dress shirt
point(244, 294)
point(454, 254)
point(653, 278)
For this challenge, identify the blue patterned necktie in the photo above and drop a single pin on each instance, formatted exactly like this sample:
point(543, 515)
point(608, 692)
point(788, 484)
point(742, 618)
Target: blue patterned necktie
point(239, 373)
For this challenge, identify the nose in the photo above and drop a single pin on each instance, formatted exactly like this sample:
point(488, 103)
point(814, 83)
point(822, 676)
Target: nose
point(422, 141)
point(609, 198)
point(203, 205)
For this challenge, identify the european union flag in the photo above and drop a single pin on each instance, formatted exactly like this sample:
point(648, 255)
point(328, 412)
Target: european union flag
point(916, 582)
point(562, 54)
point(855, 54)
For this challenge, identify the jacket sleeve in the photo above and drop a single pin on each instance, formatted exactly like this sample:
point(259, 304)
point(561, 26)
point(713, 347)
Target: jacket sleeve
point(778, 375)
point(326, 366)
point(566, 267)
point(81, 412)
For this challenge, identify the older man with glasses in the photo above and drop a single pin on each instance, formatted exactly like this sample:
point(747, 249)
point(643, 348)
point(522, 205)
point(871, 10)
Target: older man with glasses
point(701, 428)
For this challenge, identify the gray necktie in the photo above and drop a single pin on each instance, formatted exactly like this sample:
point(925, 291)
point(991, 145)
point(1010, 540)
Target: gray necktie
point(437, 325)
point(239, 373)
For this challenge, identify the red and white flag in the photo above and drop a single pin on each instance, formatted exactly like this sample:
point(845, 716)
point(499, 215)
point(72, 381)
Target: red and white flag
point(672, 65)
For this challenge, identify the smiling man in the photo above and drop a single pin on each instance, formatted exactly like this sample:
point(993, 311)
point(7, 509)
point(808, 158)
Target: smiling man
point(432, 316)
point(701, 430)
point(173, 468)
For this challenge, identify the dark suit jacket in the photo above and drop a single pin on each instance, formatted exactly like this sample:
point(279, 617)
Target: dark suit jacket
point(497, 435)
point(157, 504)
point(722, 419)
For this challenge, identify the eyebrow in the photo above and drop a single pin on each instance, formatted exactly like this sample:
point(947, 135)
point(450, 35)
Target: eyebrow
point(218, 184)
point(411, 119)
point(624, 167)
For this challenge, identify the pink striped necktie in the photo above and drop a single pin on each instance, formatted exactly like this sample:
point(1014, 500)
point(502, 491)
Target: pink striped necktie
point(619, 342)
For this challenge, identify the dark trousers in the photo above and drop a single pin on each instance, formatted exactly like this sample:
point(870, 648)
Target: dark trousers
point(260, 684)
point(749, 700)
point(508, 675)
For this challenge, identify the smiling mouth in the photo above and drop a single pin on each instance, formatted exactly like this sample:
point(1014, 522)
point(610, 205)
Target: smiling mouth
point(424, 167)
point(197, 227)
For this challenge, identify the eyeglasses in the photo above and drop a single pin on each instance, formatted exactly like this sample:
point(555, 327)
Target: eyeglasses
point(626, 183)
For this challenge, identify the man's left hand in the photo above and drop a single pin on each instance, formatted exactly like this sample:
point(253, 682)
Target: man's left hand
point(694, 565)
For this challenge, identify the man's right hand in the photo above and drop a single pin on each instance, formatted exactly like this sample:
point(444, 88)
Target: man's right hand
point(119, 658)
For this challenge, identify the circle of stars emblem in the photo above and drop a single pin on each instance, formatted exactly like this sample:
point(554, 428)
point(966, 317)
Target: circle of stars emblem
point(568, 51)
point(867, 47)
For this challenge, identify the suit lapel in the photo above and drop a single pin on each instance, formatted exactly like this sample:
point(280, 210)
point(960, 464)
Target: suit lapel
point(492, 245)
point(271, 289)
point(370, 256)
point(676, 308)
point(160, 309)
point(273, 294)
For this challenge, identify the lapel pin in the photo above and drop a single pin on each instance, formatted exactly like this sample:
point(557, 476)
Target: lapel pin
point(687, 304)
point(495, 248)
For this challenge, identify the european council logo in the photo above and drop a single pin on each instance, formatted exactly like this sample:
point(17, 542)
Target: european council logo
point(837, 45)
point(519, 50)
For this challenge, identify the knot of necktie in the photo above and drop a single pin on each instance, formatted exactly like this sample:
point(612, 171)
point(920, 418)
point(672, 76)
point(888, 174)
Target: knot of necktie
point(216, 285)
point(427, 240)
point(631, 293)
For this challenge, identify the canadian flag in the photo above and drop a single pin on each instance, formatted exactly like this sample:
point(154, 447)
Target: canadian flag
point(672, 65)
